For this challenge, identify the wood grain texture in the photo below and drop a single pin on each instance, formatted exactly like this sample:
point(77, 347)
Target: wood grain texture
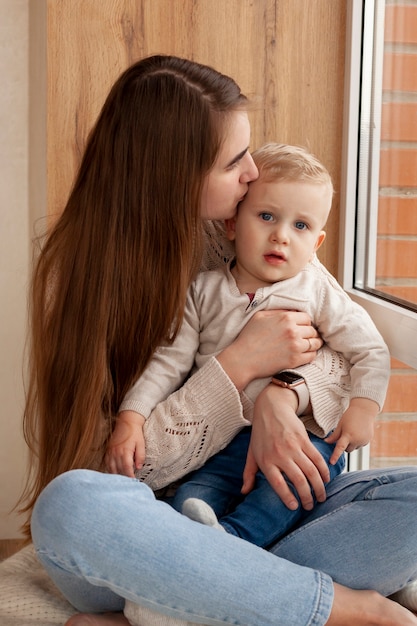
point(287, 55)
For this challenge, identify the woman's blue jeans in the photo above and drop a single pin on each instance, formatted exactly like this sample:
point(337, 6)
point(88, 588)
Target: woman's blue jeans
point(105, 538)
point(260, 517)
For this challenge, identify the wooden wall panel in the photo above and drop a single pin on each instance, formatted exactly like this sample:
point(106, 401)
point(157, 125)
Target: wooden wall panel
point(288, 55)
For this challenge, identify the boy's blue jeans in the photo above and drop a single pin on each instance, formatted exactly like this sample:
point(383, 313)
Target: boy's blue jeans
point(259, 517)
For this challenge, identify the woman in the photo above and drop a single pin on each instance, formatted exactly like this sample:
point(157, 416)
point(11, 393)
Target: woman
point(170, 147)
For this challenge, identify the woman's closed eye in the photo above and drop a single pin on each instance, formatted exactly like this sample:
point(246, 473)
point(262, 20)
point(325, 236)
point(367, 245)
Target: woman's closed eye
point(233, 165)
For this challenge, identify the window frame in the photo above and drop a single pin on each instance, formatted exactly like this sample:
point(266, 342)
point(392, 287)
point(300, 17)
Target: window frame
point(397, 324)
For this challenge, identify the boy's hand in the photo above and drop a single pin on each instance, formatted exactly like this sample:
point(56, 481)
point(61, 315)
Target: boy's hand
point(355, 429)
point(126, 448)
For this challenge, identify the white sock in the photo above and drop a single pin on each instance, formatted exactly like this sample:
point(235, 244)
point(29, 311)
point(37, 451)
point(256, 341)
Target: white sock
point(142, 616)
point(200, 511)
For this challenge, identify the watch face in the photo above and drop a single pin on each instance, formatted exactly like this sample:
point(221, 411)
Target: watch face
point(288, 377)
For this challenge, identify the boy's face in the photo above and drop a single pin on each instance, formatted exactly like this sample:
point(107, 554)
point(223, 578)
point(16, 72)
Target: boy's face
point(277, 229)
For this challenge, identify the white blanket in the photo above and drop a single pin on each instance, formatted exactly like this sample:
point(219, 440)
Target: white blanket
point(27, 594)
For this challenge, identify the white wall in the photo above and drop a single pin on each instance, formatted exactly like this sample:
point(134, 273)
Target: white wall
point(14, 249)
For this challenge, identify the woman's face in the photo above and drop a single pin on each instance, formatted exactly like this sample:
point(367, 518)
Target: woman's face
point(227, 182)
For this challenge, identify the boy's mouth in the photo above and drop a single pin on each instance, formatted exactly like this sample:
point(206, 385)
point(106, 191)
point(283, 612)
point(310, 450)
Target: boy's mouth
point(275, 257)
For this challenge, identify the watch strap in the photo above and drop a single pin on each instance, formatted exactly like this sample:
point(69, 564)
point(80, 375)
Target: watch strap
point(303, 397)
point(300, 389)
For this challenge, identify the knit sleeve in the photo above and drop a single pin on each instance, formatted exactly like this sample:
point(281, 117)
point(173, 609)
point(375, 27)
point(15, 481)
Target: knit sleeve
point(191, 425)
point(353, 363)
point(168, 368)
point(328, 383)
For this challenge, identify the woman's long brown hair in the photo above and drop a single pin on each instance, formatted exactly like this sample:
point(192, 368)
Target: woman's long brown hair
point(110, 281)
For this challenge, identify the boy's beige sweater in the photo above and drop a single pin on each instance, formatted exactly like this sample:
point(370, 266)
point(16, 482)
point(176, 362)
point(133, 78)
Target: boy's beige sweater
point(190, 425)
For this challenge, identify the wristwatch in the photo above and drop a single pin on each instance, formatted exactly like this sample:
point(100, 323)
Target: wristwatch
point(292, 380)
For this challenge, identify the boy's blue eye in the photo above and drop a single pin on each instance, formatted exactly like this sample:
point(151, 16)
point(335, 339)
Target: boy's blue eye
point(301, 225)
point(267, 217)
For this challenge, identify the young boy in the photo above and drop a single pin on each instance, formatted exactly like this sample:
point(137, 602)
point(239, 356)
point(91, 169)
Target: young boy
point(276, 232)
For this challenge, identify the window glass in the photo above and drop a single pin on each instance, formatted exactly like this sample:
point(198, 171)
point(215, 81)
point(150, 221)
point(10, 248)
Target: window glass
point(386, 231)
point(378, 260)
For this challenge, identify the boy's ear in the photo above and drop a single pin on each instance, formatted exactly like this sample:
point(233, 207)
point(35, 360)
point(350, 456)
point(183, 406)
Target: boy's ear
point(230, 225)
point(320, 239)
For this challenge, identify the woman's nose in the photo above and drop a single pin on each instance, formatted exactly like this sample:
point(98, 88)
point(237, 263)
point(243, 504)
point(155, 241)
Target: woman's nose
point(250, 171)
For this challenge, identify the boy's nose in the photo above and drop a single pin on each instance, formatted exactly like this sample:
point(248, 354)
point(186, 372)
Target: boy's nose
point(280, 234)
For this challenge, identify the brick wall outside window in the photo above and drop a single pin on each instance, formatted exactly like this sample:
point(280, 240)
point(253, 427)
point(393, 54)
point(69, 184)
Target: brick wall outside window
point(395, 440)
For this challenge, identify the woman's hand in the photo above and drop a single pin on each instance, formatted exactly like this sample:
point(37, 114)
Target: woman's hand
point(280, 446)
point(271, 341)
point(126, 449)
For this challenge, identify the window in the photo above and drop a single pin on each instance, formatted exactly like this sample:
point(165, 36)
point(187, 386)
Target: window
point(379, 204)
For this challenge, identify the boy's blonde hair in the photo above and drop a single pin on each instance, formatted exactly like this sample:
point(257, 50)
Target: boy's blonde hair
point(277, 161)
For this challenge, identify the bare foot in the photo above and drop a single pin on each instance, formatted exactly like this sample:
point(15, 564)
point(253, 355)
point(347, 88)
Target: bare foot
point(367, 608)
point(97, 619)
